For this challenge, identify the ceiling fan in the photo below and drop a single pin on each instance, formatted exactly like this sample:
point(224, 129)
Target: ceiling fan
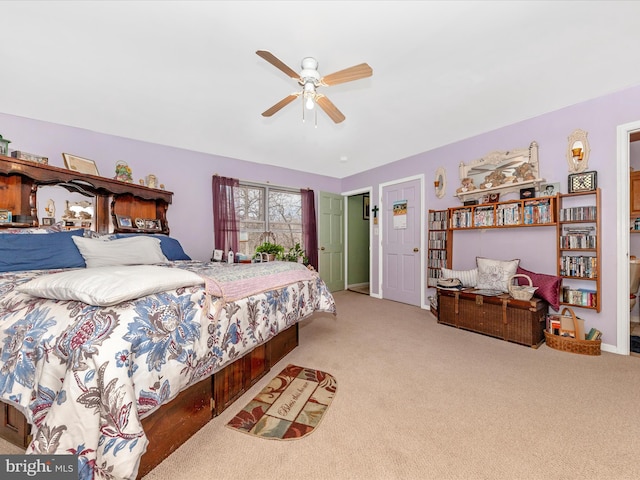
point(310, 80)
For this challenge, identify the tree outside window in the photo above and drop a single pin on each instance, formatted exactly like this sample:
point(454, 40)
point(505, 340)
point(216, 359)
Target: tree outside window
point(261, 209)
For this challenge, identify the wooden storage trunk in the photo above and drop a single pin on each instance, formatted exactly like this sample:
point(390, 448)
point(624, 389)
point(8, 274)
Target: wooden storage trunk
point(502, 316)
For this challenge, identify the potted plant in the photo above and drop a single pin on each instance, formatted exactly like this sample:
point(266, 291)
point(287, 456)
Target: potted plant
point(273, 250)
point(296, 254)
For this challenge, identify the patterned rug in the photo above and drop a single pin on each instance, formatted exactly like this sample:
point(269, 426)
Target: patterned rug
point(289, 407)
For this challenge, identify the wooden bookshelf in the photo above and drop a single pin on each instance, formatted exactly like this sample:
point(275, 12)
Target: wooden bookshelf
point(440, 245)
point(531, 212)
point(579, 249)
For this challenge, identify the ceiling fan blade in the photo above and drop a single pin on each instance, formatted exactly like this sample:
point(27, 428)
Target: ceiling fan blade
point(273, 60)
point(281, 104)
point(348, 75)
point(329, 108)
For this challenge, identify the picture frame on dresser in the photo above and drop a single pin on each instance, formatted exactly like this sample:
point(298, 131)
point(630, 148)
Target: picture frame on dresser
point(124, 221)
point(152, 224)
point(48, 221)
point(80, 165)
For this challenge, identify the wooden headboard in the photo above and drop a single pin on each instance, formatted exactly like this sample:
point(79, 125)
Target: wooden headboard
point(20, 179)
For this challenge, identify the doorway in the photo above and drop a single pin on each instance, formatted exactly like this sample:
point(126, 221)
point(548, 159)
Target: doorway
point(357, 228)
point(624, 134)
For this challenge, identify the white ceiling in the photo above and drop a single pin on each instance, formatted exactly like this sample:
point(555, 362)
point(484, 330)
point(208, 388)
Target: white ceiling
point(186, 73)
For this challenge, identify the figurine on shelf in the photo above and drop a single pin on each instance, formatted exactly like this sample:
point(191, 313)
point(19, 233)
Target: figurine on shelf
point(152, 181)
point(4, 146)
point(123, 172)
point(50, 208)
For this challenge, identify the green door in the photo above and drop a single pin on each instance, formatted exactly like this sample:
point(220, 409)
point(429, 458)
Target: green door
point(331, 240)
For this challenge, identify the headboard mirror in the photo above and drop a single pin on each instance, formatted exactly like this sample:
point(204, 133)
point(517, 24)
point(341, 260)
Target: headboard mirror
point(500, 172)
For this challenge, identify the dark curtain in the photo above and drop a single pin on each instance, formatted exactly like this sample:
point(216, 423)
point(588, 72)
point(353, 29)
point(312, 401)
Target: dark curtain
point(225, 226)
point(309, 230)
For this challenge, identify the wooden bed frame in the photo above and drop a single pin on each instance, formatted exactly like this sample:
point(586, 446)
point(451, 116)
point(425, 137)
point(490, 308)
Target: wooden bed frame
point(171, 425)
point(174, 423)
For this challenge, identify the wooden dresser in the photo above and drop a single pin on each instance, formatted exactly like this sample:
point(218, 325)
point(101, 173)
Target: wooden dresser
point(502, 316)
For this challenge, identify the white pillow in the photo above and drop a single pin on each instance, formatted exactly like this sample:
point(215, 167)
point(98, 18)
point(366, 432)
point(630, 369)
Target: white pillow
point(495, 274)
point(137, 250)
point(104, 286)
point(469, 278)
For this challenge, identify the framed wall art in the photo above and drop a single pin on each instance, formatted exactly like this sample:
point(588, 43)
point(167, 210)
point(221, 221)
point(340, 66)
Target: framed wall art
point(80, 165)
point(583, 182)
point(491, 198)
point(549, 189)
point(527, 192)
point(365, 207)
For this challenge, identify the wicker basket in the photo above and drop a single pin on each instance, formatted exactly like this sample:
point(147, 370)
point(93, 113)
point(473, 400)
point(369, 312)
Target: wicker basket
point(521, 292)
point(572, 345)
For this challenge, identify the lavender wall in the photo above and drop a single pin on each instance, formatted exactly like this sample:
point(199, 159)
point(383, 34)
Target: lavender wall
point(185, 173)
point(534, 246)
point(188, 175)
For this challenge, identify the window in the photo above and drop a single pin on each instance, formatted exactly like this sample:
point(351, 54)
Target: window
point(261, 209)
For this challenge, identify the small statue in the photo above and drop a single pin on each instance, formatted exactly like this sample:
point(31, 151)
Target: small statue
point(524, 172)
point(494, 179)
point(467, 185)
point(50, 208)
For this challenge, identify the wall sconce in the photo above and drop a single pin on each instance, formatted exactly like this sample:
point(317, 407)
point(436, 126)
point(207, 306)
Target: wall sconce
point(578, 151)
point(440, 182)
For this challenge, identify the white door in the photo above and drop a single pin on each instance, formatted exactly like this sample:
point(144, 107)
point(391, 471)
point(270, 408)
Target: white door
point(401, 241)
point(331, 240)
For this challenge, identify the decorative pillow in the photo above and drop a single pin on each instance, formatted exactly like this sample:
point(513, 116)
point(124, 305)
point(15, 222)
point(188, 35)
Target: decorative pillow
point(123, 251)
point(469, 278)
point(104, 286)
point(40, 252)
point(171, 247)
point(548, 286)
point(495, 274)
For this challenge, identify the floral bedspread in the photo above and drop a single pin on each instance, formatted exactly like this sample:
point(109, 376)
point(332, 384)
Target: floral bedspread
point(84, 376)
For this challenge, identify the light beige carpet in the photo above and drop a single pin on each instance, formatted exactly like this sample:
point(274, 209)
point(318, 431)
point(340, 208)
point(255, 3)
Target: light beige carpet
point(420, 400)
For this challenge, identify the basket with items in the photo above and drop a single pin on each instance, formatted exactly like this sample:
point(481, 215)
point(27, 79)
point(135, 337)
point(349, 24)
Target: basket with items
point(566, 332)
point(521, 292)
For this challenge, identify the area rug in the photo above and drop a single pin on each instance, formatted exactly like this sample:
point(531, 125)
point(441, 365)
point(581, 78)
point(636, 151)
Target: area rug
point(289, 407)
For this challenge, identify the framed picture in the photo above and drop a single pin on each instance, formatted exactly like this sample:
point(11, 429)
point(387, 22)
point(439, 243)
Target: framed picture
point(48, 221)
point(5, 216)
point(365, 207)
point(123, 221)
point(217, 256)
point(527, 192)
point(549, 189)
point(152, 224)
point(491, 198)
point(80, 165)
point(583, 182)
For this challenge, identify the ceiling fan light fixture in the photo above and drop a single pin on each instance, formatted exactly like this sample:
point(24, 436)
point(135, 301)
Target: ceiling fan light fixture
point(309, 95)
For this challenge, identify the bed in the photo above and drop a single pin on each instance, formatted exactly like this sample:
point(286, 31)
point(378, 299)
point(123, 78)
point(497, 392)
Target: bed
point(86, 375)
point(114, 342)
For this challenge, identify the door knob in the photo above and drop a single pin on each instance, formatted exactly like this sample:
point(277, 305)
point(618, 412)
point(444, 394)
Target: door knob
point(416, 249)
point(321, 248)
